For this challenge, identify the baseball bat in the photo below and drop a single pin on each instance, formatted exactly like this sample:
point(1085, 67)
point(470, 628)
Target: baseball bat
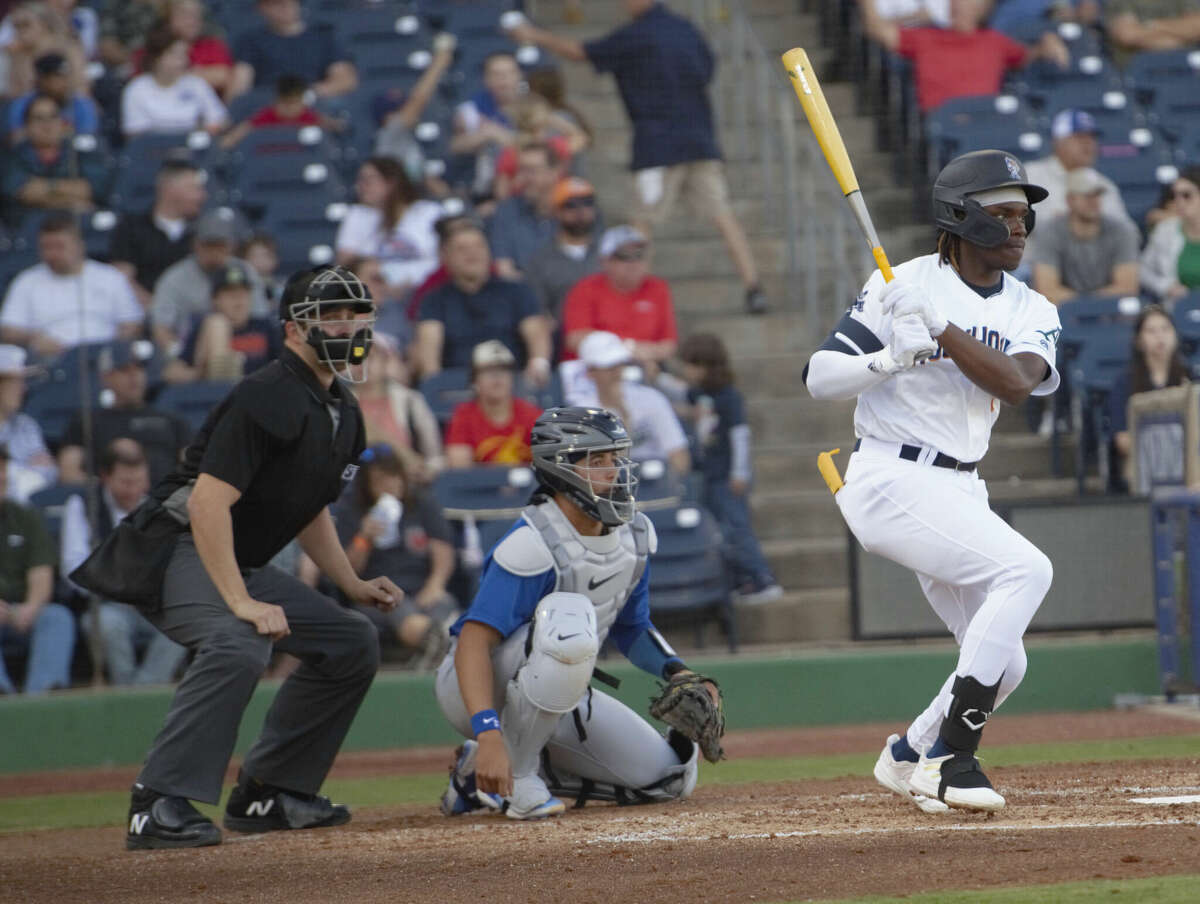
point(812, 99)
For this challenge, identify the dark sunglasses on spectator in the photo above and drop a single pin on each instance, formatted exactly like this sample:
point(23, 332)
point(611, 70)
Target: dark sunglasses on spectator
point(1183, 194)
point(630, 253)
point(579, 203)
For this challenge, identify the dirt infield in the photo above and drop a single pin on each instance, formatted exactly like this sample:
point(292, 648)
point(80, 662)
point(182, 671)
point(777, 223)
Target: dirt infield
point(804, 839)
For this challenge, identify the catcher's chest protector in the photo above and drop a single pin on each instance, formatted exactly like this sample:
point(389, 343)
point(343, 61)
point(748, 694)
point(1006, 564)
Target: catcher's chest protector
point(605, 569)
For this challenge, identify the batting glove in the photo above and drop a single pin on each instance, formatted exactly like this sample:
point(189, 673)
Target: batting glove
point(911, 341)
point(903, 299)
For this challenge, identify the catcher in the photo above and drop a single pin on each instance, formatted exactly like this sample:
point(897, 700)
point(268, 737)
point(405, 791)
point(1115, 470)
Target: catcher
point(571, 572)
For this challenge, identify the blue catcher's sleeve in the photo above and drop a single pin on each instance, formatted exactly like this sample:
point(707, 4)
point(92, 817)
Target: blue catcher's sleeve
point(635, 635)
point(506, 601)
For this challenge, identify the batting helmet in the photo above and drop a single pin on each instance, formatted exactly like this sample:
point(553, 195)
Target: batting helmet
point(324, 288)
point(956, 207)
point(562, 438)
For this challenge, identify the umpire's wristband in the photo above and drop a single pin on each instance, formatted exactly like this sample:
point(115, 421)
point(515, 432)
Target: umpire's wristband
point(485, 720)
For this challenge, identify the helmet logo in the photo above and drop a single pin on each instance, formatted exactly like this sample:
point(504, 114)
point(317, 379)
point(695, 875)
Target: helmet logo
point(1014, 168)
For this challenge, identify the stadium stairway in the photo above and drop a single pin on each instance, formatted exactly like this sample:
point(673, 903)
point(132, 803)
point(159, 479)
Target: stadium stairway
point(795, 516)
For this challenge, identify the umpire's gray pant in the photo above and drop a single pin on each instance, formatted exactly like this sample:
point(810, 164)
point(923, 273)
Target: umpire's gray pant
point(311, 713)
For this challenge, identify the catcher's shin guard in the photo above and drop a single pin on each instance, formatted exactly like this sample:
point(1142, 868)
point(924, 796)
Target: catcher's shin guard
point(677, 784)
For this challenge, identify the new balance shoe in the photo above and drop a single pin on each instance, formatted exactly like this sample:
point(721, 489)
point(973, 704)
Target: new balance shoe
point(462, 796)
point(956, 779)
point(531, 799)
point(159, 821)
point(895, 774)
point(256, 807)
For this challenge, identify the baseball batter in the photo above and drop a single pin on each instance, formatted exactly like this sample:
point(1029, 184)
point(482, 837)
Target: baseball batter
point(571, 572)
point(931, 356)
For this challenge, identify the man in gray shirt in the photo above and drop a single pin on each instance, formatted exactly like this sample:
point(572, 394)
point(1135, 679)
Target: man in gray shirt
point(573, 253)
point(1084, 252)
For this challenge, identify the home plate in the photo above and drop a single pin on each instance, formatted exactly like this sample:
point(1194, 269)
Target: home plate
point(1162, 801)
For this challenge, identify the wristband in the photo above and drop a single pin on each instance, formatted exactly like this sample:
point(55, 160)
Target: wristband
point(484, 720)
point(360, 542)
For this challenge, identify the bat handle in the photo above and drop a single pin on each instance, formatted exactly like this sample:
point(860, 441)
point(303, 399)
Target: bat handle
point(881, 262)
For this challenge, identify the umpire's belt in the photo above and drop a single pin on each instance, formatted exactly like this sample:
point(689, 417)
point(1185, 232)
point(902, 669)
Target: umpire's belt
point(914, 453)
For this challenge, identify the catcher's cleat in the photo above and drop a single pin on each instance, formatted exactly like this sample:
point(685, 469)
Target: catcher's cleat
point(158, 821)
point(895, 774)
point(530, 800)
point(462, 796)
point(255, 807)
point(956, 779)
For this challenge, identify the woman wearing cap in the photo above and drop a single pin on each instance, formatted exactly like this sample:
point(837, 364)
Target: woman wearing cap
point(1171, 259)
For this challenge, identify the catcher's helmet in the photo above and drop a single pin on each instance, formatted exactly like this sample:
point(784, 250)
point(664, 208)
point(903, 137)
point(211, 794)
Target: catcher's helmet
point(954, 209)
point(323, 288)
point(562, 438)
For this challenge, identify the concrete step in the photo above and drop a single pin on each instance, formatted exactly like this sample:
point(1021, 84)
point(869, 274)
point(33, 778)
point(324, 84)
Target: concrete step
point(810, 562)
point(795, 505)
point(771, 376)
point(709, 255)
point(777, 421)
point(1025, 456)
point(797, 617)
point(777, 333)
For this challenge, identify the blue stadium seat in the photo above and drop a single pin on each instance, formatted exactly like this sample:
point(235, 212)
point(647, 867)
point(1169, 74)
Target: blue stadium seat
point(246, 105)
point(548, 396)
point(283, 165)
point(139, 160)
point(444, 391)
point(393, 27)
point(492, 530)
point(688, 573)
point(304, 232)
point(465, 18)
point(972, 123)
point(1086, 75)
point(483, 491)
point(657, 486)
point(1097, 311)
point(1176, 105)
point(51, 404)
point(1186, 316)
point(193, 401)
point(1141, 177)
point(52, 502)
point(1145, 73)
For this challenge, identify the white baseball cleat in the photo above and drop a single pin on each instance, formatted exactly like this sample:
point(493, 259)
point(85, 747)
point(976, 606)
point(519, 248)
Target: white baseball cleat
point(894, 775)
point(957, 779)
point(531, 799)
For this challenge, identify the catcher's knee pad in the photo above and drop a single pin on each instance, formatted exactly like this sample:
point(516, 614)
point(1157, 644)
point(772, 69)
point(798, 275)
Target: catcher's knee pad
point(563, 643)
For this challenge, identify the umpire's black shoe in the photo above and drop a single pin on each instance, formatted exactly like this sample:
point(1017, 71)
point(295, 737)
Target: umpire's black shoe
point(256, 807)
point(159, 821)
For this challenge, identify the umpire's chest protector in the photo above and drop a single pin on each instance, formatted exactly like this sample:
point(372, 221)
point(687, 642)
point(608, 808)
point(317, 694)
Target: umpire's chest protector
point(605, 569)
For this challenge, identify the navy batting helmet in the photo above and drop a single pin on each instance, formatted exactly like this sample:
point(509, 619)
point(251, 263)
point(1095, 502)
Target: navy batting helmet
point(956, 203)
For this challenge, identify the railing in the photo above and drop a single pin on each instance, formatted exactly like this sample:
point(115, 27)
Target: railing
point(826, 256)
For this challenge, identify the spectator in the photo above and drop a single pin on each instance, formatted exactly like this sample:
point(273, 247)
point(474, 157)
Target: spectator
point(208, 56)
point(398, 111)
point(144, 245)
point(79, 22)
point(483, 125)
point(53, 77)
point(914, 13)
point(284, 44)
point(548, 84)
point(1138, 25)
point(123, 631)
point(961, 60)
point(524, 223)
point(396, 414)
point(1075, 147)
point(1171, 258)
point(536, 123)
point(123, 30)
point(724, 461)
point(46, 171)
point(185, 288)
point(574, 252)
point(625, 299)
point(1155, 363)
point(475, 306)
point(262, 254)
point(1085, 252)
point(493, 428)
point(390, 526)
point(227, 343)
point(45, 629)
point(166, 97)
point(663, 67)
point(161, 435)
point(392, 224)
point(29, 465)
point(67, 299)
point(646, 412)
point(37, 30)
point(290, 108)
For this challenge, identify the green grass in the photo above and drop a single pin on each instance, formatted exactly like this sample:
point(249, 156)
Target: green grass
point(1160, 890)
point(103, 808)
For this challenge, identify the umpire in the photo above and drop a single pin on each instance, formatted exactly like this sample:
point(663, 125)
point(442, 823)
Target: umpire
point(262, 470)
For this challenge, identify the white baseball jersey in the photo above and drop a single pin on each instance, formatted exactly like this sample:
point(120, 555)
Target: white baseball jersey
point(934, 404)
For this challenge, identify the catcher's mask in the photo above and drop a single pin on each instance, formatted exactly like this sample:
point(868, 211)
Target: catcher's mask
point(561, 443)
point(318, 291)
point(970, 182)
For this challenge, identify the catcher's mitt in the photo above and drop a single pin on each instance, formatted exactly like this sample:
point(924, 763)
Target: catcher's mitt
point(686, 705)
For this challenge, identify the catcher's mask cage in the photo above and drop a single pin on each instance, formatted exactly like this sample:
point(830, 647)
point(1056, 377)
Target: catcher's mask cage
point(332, 288)
point(561, 443)
point(957, 212)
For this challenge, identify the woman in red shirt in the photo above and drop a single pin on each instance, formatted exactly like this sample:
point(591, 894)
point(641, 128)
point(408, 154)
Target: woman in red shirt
point(208, 56)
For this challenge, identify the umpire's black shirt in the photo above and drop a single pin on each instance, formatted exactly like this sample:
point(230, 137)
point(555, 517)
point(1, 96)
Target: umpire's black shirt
point(286, 442)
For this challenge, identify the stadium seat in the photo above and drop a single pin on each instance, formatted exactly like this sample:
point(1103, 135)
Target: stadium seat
point(1140, 176)
point(688, 573)
point(1147, 72)
point(466, 20)
point(51, 404)
point(138, 163)
point(1103, 358)
point(444, 391)
point(548, 396)
point(392, 27)
point(304, 232)
point(287, 164)
point(1176, 105)
point(972, 123)
point(657, 486)
point(193, 401)
point(246, 105)
point(1087, 75)
point(1186, 316)
point(52, 503)
point(1097, 311)
point(483, 492)
point(492, 531)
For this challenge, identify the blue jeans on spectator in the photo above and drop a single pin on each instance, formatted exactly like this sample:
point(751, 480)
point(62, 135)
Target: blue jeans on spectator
point(50, 646)
point(123, 632)
point(750, 568)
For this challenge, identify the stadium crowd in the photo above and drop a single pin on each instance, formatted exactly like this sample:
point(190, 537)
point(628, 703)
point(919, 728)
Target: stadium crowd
point(168, 164)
